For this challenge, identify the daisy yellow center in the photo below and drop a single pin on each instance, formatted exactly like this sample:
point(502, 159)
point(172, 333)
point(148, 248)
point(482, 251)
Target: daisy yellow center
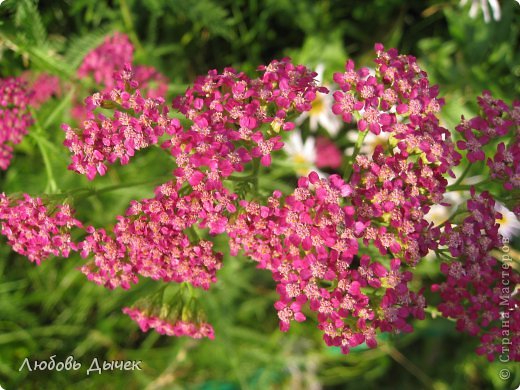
point(299, 159)
point(318, 105)
point(301, 164)
point(503, 220)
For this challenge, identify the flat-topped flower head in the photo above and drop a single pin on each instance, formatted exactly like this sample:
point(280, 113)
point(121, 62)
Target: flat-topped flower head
point(171, 315)
point(155, 240)
point(36, 230)
point(15, 119)
point(472, 293)
point(136, 123)
point(109, 57)
point(170, 328)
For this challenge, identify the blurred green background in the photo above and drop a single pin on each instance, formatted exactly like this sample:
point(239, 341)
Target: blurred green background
point(52, 309)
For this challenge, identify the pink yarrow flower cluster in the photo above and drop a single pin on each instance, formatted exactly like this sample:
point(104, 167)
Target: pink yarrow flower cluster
point(478, 291)
point(497, 121)
point(36, 230)
point(178, 328)
point(15, 118)
point(43, 87)
point(339, 249)
point(136, 123)
point(310, 243)
point(313, 240)
point(107, 59)
point(105, 62)
point(153, 240)
point(237, 119)
point(111, 57)
point(395, 187)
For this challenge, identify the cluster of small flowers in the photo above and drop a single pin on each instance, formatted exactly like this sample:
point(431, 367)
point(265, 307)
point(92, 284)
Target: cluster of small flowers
point(108, 267)
point(137, 123)
point(395, 187)
point(35, 231)
point(155, 238)
point(15, 118)
point(43, 86)
point(313, 241)
point(146, 321)
point(226, 110)
point(498, 120)
point(151, 241)
point(473, 292)
point(384, 204)
point(109, 59)
point(311, 246)
point(399, 100)
point(236, 119)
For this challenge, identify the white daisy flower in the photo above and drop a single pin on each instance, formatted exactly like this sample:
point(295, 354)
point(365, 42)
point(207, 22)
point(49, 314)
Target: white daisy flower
point(509, 224)
point(321, 113)
point(302, 156)
point(483, 4)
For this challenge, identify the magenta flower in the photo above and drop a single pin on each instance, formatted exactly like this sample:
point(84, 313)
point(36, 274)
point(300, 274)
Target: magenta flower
point(43, 86)
point(108, 58)
point(497, 121)
point(15, 118)
point(136, 124)
point(339, 249)
point(315, 221)
point(472, 293)
point(34, 231)
point(327, 154)
point(170, 328)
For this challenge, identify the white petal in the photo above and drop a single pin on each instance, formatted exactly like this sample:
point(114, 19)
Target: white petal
point(320, 68)
point(495, 6)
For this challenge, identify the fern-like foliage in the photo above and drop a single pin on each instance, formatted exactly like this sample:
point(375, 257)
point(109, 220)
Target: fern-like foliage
point(80, 45)
point(29, 22)
point(25, 33)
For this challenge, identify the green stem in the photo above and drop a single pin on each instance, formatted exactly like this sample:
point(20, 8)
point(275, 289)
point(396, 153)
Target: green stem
point(51, 187)
point(64, 102)
point(192, 233)
point(256, 171)
point(357, 147)
point(450, 218)
point(115, 187)
point(442, 255)
point(408, 365)
point(191, 291)
point(158, 296)
point(459, 180)
point(51, 182)
point(251, 178)
point(467, 187)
